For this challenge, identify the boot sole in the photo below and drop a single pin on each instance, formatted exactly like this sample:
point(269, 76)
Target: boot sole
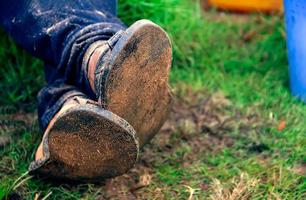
point(88, 144)
point(136, 85)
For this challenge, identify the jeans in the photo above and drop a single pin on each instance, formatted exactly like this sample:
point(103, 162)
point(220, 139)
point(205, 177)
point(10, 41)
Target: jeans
point(59, 32)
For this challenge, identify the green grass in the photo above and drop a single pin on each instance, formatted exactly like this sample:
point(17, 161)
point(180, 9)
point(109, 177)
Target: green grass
point(211, 54)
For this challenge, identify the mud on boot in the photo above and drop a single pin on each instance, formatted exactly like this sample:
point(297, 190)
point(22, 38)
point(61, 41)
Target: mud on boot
point(85, 142)
point(129, 75)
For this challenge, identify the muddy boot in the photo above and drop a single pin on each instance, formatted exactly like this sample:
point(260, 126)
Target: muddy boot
point(129, 74)
point(85, 142)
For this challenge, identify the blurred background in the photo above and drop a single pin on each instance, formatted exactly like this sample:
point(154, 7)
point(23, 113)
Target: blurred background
point(235, 131)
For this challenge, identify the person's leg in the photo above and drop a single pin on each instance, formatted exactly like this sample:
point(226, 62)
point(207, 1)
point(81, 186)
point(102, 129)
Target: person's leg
point(81, 140)
point(59, 32)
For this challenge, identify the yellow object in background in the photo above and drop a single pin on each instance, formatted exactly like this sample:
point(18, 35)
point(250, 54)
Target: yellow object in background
point(248, 5)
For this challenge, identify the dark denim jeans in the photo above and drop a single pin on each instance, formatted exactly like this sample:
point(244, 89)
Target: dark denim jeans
point(59, 32)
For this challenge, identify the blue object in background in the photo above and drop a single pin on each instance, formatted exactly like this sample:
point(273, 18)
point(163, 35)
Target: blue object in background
point(295, 13)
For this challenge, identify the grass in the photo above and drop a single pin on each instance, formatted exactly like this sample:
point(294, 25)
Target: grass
point(241, 57)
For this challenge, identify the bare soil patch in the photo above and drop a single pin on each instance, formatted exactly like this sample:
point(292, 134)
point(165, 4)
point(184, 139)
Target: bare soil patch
point(201, 122)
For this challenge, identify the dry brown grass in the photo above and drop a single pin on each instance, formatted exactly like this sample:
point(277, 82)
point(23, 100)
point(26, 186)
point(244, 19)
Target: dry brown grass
point(241, 188)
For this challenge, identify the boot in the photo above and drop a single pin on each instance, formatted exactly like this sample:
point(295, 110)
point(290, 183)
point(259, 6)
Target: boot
point(85, 142)
point(129, 75)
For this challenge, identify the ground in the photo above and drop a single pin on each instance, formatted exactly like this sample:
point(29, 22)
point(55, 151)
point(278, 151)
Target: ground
point(235, 132)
